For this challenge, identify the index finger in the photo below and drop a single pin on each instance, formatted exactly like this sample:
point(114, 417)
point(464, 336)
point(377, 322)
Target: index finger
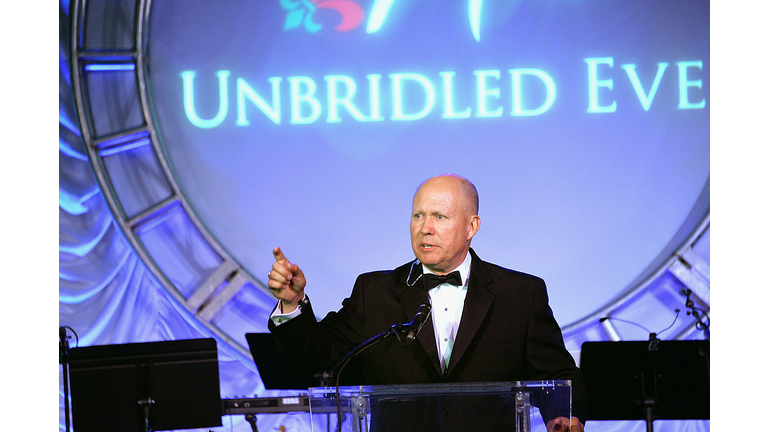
point(278, 254)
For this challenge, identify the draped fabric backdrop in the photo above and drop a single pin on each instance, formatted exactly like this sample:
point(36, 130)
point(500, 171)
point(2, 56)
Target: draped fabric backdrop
point(107, 295)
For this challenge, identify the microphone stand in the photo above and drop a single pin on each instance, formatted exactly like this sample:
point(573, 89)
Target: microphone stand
point(64, 360)
point(336, 373)
point(395, 329)
point(334, 376)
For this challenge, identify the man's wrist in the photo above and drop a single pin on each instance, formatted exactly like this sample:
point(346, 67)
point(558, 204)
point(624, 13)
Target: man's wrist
point(286, 308)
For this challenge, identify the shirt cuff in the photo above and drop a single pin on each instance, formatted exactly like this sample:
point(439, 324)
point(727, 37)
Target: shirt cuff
point(278, 317)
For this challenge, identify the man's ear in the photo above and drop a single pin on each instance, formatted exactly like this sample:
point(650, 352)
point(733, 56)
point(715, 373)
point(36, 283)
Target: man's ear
point(474, 226)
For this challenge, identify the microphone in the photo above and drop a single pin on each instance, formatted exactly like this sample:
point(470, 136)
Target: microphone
point(696, 312)
point(63, 345)
point(412, 329)
point(687, 294)
point(406, 334)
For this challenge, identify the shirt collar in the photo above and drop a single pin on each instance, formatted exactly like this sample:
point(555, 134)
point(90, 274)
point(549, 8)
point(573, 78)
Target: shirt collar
point(463, 269)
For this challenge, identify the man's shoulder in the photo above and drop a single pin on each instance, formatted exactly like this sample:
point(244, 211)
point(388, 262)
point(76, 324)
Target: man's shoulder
point(495, 268)
point(496, 271)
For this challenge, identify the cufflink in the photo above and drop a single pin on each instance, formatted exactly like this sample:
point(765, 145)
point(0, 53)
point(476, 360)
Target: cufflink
point(304, 302)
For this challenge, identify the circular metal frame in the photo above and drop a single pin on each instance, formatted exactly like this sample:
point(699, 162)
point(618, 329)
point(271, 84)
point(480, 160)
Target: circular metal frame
point(210, 296)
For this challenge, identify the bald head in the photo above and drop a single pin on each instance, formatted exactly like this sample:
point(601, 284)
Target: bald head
point(467, 191)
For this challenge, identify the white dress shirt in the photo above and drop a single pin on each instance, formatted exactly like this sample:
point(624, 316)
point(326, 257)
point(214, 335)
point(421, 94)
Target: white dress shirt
point(447, 304)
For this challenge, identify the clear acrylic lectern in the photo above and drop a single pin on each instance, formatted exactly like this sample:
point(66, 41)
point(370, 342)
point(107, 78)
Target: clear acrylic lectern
point(520, 406)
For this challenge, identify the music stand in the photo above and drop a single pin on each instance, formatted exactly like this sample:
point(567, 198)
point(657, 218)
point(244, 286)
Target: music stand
point(630, 380)
point(145, 386)
point(277, 373)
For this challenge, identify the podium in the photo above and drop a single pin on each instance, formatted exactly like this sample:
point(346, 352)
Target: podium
point(495, 406)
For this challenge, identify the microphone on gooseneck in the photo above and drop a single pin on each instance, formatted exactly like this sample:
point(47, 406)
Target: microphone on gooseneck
point(406, 334)
point(413, 328)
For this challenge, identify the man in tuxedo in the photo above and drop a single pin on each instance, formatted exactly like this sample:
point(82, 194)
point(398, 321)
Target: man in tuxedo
point(488, 323)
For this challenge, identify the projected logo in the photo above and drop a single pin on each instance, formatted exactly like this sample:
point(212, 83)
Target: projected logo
point(301, 14)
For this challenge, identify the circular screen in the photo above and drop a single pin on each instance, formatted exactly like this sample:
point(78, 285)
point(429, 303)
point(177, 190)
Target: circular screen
point(309, 124)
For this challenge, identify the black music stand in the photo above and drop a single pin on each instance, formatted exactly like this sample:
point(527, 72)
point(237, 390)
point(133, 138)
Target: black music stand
point(145, 386)
point(277, 373)
point(636, 380)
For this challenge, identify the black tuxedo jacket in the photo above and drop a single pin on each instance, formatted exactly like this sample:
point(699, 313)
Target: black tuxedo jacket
point(507, 332)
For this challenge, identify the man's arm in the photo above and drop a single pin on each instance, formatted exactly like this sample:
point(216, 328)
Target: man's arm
point(300, 337)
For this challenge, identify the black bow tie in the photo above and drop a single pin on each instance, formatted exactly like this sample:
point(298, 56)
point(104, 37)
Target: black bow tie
point(433, 280)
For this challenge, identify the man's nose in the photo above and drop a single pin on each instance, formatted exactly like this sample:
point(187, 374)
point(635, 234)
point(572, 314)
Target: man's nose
point(427, 227)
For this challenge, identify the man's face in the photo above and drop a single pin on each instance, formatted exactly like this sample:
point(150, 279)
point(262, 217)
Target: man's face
point(441, 224)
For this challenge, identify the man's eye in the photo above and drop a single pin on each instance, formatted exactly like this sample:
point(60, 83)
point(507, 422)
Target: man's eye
point(439, 217)
point(417, 216)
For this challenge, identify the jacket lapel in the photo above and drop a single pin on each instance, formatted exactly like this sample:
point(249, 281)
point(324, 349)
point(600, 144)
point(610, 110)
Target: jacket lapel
point(476, 306)
point(410, 298)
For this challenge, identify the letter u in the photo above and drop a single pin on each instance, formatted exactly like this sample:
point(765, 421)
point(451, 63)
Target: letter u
point(189, 100)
